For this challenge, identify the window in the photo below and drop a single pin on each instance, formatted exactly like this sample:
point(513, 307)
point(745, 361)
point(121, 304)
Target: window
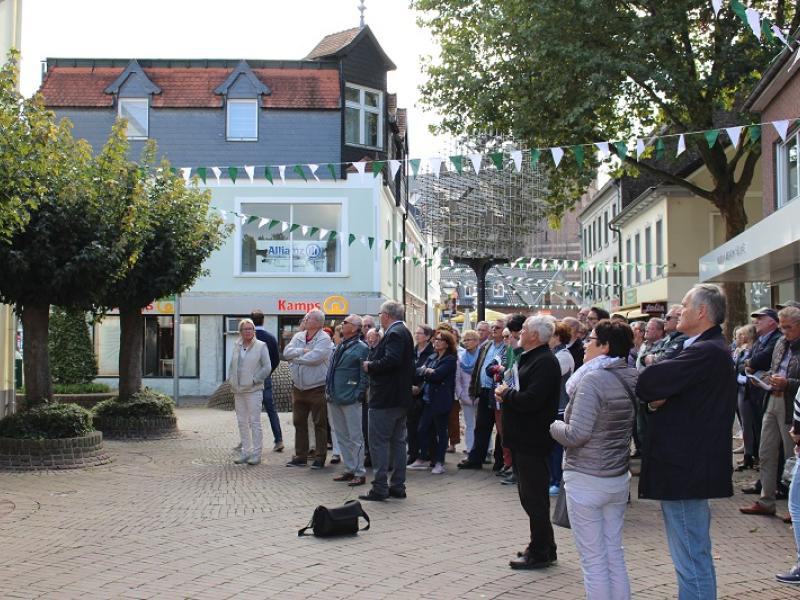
point(158, 346)
point(628, 260)
point(136, 112)
point(788, 170)
point(659, 248)
point(498, 290)
point(290, 250)
point(648, 252)
point(605, 228)
point(637, 249)
point(242, 120)
point(363, 122)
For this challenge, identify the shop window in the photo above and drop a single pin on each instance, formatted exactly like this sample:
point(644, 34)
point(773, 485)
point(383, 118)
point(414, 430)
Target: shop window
point(363, 120)
point(788, 170)
point(291, 250)
point(158, 356)
point(136, 112)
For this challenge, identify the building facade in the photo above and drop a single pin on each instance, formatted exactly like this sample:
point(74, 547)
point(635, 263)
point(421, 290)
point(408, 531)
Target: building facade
point(600, 246)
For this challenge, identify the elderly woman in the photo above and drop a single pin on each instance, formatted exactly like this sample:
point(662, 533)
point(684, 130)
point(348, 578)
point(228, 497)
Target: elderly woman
point(249, 368)
point(596, 434)
point(745, 337)
point(438, 392)
point(423, 348)
point(467, 358)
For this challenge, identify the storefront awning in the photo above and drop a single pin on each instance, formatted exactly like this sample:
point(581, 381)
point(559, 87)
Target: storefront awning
point(767, 251)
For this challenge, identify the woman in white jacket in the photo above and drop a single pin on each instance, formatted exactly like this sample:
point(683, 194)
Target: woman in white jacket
point(249, 368)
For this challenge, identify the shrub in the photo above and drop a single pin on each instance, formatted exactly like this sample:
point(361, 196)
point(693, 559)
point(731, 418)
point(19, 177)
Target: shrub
point(48, 421)
point(146, 403)
point(75, 388)
point(72, 357)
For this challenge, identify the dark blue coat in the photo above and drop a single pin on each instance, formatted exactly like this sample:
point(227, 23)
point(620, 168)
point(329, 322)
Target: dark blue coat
point(441, 384)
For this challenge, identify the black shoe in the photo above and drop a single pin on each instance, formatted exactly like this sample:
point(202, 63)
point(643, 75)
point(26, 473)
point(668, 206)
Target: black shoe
point(469, 465)
point(397, 493)
point(371, 496)
point(792, 576)
point(526, 561)
point(318, 464)
point(498, 467)
point(296, 462)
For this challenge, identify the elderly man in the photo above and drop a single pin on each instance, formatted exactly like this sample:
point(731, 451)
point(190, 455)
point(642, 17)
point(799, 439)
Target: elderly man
point(308, 354)
point(345, 386)
point(653, 338)
point(391, 373)
point(687, 453)
point(785, 380)
point(527, 414)
point(575, 345)
point(367, 325)
point(673, 339)
point(484, 330)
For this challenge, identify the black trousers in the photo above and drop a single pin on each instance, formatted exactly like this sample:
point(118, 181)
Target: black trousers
point(484, 422)
point(533, 481)
point(412, 425)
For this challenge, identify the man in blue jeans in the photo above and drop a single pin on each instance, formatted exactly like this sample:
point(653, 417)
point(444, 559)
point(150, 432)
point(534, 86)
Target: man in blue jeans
point(686, 457)
point(267, 402)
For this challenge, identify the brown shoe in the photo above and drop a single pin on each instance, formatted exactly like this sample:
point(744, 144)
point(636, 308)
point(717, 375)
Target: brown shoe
point(758, 509)
point(344, 477)
point(357, 481)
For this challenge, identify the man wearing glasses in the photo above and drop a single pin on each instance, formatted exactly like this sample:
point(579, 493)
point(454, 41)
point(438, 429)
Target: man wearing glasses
point(673, 340)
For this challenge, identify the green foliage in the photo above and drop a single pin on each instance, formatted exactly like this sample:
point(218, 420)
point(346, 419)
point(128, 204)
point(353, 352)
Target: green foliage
point(146, 403)
point(72, 359)
point(48, 421)
point(76, 388)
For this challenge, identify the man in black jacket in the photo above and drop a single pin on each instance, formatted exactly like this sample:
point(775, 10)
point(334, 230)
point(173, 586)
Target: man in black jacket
point(391, 374)
point(527, 414)
point(687, 454)
point(267, 401)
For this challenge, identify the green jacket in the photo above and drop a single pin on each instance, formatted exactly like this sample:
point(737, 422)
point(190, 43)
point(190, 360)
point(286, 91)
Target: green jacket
point(347, 381)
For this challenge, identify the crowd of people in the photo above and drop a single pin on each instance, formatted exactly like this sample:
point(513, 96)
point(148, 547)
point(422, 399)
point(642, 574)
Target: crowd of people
point(555, 407)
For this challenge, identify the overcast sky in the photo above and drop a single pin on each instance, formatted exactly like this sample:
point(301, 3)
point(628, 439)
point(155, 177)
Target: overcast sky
point(255, 29)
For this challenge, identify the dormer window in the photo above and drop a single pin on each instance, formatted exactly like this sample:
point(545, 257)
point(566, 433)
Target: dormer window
point(242, 120)
point(363, 121)
point(136, 112)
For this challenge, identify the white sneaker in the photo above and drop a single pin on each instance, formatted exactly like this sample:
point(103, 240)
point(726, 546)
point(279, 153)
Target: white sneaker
point(241, 459)
point(438, 469)
point(419, 465)
point(254, 460)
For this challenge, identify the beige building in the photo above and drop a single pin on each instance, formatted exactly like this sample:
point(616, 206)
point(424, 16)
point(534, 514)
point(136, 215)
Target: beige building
point(10, 36)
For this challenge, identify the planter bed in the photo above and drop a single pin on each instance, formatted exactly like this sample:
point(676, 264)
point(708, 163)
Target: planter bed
point(86, 401)
point(63, 453)
point(120, 428)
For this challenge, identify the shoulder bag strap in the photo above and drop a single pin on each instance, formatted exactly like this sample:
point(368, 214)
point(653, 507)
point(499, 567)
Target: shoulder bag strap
point(302, 532)
point(366, 518)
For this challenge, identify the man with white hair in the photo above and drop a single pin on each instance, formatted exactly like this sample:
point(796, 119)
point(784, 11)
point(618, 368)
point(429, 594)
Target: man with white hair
point(528, 411)
point(308, 354)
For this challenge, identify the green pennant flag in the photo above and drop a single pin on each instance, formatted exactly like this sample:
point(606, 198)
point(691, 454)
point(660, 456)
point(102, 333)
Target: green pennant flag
point(497, 159)
point(268, 175)
point(397, 259)
point(458, 163)
point(660, 149)
point(535, 155)
point(272, 223)
point(300, 173)
point(350, 239)
point(377, 167)
point(430, 262)
point(766, 30)
point(232, 173)
point(293, 227)
point(370, 241)
point(711, 137)
point(579, 153)
point(403, 247)
point(386, 244)
point(251, 219)
point(331, 170)
point(174, 171)
point(416, 261)
point(622, 149)
point(313, 231)
point(740, 11)
point(331, 236)
point(201, 172)
point(415, 166)
point(436, 249)
point(754, 131)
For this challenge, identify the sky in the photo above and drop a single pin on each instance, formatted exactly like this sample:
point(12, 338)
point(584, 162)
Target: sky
point(235, 29)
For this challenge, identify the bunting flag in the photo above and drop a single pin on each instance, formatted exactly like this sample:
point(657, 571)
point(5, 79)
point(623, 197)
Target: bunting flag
point(516, 157)
point(639, 148)
point(268, 174)
point(394, 167)
point(436, 165)
point(233, 172)
point(711, 137)
point(304, 230)
point(458, 163)
point(605, 151)
point(622, 149)
point(754, 20)
point(497, 160)
point(251, 172)
point(201, 172)
point(323, 232)
point(660, 149)
point(284, 226)
point(754, 131)
point(370, 241)
point(350, 239)
point(557, 154)
point(313, 231)
point(272, 223)
point(186, 172)
point(377, 167)
point(782, 127)
point(263, 221)
point(313, 168)
point(734, 133)
point(282, 173)
point(535, 155)
point(476, 160)
point(579, 154)
point(415, 162)
point(300, 173)
point(717, 5)
point(386, 244)
point(681, 145)
point(331, 170)
point(294, 227)
point(217, 172)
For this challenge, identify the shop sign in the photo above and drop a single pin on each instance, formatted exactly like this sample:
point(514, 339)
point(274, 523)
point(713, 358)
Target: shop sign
point(332, 305)
point(735, 252)
point(654, 308)
point(162, 306)
point(305, 256)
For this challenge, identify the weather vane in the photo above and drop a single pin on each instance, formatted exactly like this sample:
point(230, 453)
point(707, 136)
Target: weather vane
point(361, 9)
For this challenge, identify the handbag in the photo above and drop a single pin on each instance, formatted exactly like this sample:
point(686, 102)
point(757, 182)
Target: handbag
point(340, 520)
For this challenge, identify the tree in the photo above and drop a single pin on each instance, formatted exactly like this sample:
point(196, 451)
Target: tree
point(564, 72)
point(178, 234)
point(72, 357)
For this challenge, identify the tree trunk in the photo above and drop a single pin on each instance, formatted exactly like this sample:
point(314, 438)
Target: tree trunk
point(35, 355)
point(735, 222)
point(130, 351)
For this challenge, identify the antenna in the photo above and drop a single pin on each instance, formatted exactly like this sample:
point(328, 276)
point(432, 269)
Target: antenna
point(361, 9)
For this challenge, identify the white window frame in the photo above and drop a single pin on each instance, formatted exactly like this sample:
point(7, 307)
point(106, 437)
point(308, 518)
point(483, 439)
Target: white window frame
point(498, 290)
point(363, 108)
point(344, 267)
point(135, 101)
point(782, 165)
point(241, 102)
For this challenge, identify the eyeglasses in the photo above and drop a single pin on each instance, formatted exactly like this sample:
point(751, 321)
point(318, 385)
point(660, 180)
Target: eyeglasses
point(438, 339)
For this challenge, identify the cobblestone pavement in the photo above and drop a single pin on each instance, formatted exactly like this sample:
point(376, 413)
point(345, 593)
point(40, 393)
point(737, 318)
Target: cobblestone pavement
point(175, 518)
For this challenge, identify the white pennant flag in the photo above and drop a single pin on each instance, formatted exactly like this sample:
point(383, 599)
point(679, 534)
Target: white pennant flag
point(360, 166)
point(604, 149)
point(223, 213)
point(734, 133)
point(217, 172)
point(779, 34)
point(262, 222)
point(436, 164)
point(754, 20)
point(364, 239)
point(284, 226)
point(186, 172)
point(282, 171)
point(639, 148)
point(322, 232)
point(242, 219)
point(304, 229)
point(516, 156)
point(782, 127)
point(251, 171)
point(530, 262)
point(681, 145)
point(557, 153)
point(313, 168)
point(394, 166)
point(476, 159)
point(717, 4)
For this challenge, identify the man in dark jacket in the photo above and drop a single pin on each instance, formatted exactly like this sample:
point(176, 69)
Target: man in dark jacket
point(267, 401)
point(527, 414)
point(391, 373)
point(687, 454)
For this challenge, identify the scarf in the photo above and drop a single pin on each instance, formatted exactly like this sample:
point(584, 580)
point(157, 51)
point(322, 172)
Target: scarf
point(467, 360)
point(598, 362)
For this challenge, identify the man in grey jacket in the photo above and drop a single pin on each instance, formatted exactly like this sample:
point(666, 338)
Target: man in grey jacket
point(308, 355)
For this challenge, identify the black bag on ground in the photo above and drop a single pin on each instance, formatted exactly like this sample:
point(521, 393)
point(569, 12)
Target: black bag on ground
point(340, 520)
